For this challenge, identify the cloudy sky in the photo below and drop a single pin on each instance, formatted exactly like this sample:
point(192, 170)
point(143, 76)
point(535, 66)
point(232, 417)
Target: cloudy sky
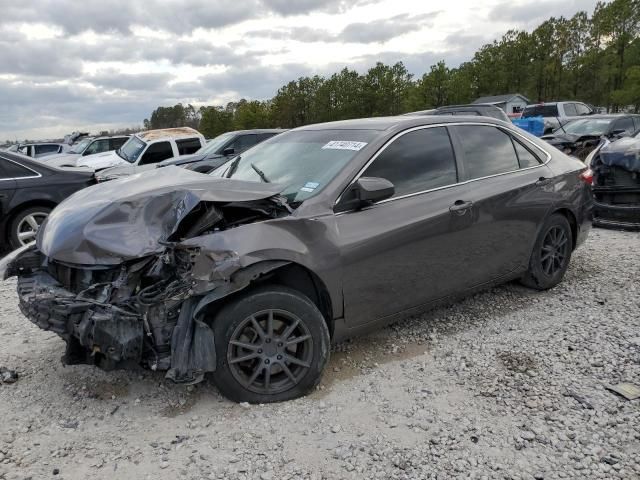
point(99, 64)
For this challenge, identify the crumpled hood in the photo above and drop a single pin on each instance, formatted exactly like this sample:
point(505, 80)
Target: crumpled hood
point(182, 159)
point(102, 160)
point(112, 222)
point(623, 153)
point(561, 138)
point(61, 159)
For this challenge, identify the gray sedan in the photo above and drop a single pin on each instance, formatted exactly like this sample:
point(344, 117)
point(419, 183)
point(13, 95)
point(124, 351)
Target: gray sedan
point(315, 235)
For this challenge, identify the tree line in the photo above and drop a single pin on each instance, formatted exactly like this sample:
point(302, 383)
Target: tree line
point(595, 59)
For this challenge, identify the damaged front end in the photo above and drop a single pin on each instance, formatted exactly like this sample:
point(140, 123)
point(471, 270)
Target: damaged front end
point(115, 280)
point(616, 185)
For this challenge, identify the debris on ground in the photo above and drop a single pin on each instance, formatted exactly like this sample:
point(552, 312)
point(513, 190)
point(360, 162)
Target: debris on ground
point(8, 376)
point(627, 390)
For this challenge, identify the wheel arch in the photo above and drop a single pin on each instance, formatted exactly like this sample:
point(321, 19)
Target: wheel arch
point(15, 211)
point(573, 223)
point(284, 273)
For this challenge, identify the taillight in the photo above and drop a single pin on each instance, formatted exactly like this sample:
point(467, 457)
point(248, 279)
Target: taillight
point(587, 176)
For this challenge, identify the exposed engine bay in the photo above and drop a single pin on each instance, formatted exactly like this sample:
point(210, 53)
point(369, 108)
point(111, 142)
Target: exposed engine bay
point(147, 309)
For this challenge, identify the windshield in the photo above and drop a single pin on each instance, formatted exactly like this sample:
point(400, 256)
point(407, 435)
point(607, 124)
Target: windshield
point(131, 150)
point(589, 126)
point(540, 111)
point(80, 146)
point(302, 161)
point(215, 144)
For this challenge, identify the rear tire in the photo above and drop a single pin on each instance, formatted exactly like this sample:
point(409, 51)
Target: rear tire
point(272, 344)
point(25, 224)
point(551, 254)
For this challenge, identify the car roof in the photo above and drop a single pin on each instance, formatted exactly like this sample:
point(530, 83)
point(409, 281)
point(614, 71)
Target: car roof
point(259, 130)
point(178, 132)
point(398, 122)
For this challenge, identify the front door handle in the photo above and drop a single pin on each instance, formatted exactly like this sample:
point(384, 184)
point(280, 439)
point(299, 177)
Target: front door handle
point(542, 181)
point(460, 207)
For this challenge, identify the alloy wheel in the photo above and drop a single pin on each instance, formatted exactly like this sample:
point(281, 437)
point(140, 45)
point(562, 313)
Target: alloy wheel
point(554, 250)
point(28, 227)
point(270, 351)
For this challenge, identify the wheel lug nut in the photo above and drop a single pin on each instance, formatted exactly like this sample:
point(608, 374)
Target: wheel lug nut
point(266, 361)
point(268, 340)
point(279, 357)
point(259, 350)
point(280, 344)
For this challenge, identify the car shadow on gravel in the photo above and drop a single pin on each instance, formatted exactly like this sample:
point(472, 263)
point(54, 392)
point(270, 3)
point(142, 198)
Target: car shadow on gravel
point(405, 340)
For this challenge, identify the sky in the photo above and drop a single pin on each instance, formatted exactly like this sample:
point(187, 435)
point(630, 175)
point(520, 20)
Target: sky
point(96, 65)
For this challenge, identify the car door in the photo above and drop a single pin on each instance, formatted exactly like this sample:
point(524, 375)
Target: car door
point(97, 146)
point(510, 190)
point(7, 187)
point(156, 152)
point(402, 252)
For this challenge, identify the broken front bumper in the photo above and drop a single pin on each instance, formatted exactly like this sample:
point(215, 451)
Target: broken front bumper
point(103, 335)
point(626, 217)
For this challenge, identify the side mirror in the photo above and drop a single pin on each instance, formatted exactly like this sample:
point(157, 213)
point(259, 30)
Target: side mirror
point(364, 192)
point(228, 151)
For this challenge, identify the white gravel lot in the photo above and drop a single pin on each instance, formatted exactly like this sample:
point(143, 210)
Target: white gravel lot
point(507, 384)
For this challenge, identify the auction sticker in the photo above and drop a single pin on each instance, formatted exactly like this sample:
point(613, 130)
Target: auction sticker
point(344, 145)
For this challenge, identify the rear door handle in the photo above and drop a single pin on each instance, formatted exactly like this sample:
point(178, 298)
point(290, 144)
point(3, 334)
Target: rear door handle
point(542, 181)
point(460, 207)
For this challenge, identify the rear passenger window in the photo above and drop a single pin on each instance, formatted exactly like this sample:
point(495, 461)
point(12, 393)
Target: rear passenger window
point(487, 151)
point(116, 143)
point(264, 136)
point(98, 146)
point(417, 161)
point(188, 146)
point(45, 149)
point(525, 157)
point(13, 170)
point(244, 142)
point(156, 153)
point(570, 109)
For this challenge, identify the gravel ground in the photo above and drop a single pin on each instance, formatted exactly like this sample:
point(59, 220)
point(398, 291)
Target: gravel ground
point(507, 384)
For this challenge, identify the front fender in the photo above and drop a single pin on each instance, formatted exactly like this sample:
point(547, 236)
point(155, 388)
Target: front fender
point(307, 242)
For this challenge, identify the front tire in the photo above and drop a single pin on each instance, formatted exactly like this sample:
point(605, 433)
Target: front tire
point(551, 254)
point(272, 344)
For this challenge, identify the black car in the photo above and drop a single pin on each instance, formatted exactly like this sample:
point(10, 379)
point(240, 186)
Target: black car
point(216, 152)
point(29, 190)
point(580, 136)
point(616, 183)
point(318, 234)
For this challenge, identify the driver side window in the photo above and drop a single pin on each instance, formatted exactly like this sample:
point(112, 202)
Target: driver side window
point(156, 153)
point(98, 146)
point(417, 161)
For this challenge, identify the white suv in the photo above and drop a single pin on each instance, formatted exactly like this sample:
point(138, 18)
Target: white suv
point(556, 113)
point(148, 147)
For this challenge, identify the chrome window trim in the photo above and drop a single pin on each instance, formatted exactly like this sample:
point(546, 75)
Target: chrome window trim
point(422, 127)
point(37, 174)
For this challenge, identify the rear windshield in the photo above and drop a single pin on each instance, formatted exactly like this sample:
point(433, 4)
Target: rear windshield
point(540, 111)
